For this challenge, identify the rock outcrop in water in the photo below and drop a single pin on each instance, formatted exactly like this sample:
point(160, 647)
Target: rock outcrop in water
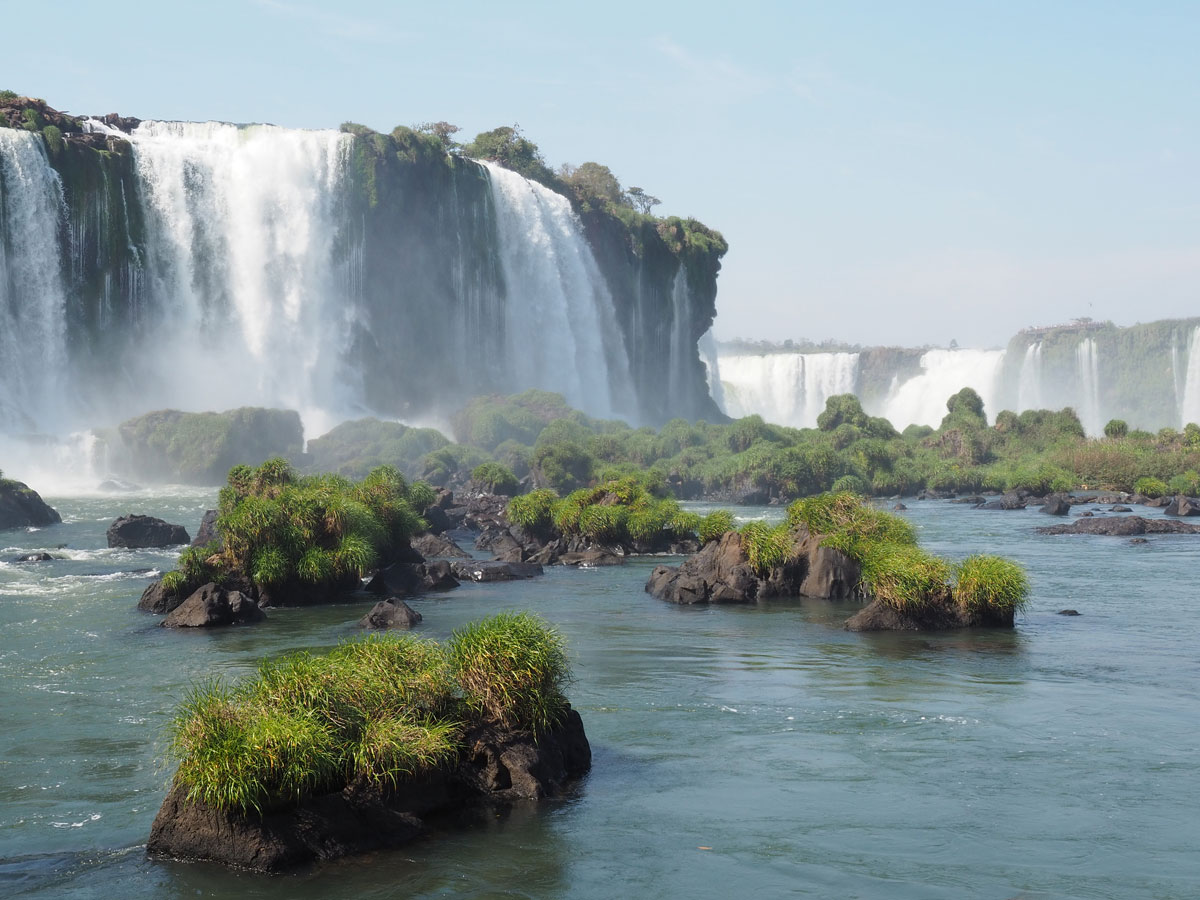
point(21, 507)
point(1122, 526)
point(139, 532)
point(498, 766)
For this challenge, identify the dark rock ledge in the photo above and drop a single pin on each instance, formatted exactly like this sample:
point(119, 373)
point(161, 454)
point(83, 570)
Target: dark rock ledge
point(496, 767)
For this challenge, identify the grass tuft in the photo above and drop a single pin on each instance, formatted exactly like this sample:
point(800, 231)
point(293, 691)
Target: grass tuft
point(985, 585)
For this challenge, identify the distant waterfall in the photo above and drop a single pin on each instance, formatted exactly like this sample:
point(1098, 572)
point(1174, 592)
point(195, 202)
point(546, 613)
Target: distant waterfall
point(710, 357)
point(1189, 408)
point(786, 388)
point(1089, 386)
point(32, 297)
point(562, 335)
point(1030, 380)
point(921, 400)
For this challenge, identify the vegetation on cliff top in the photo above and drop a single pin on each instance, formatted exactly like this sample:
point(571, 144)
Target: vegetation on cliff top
point(374, 711)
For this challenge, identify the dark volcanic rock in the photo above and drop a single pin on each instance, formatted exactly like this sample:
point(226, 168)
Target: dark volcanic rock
point(1121, 509)
point(494, 570)
point(1008, 502)
point(498, 766)
point(721, 573)
point(1182, 506)
point(1122, 526)
point(22, 507)
point(1067, 612)
point(436, 545)
point(1056, 505)
point(405, 579)
point(156, 599)
point(34, 557)
point(590, 559)
point(899, 507)
point(212, 606)
point(207, 533)
point(137, 532)
point(393, 613)
point(878, 616)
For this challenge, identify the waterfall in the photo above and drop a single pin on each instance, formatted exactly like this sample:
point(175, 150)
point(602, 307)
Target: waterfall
point(712, 368)
point(241, 225)
point(1088, 368)
point(561, 332)
point(786, 388)
point(1189, 408)
point(1030, 380)
point(921, 400)
point(681, 342)
point(33, 300)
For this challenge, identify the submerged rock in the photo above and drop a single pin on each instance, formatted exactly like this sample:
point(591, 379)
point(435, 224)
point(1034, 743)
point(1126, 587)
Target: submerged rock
point(138, 532)
point(34, 557)
point(1122, 526)
point(22, 507)
point(495, 570)
point(1067, 612)
point(1057, 505)
point(391, 613)
point(497, 766)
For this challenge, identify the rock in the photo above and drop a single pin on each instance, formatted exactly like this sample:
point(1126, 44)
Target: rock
point(973, 500)
point(590, 559)
point(23, 507)
point(212, 606)
point(1121, 509)
point(436, 545)
point(721, 573)
point(1067, 612)
point(494, 570)
point(498, 766)
point(1138, 541)
point(207, 533)
point(899, 507)
point(393, 613)
point(405, 579)
point(34, 557)
point(138, 532)
point(1182, 506)
point(1056, 505)
point(1157, 502)
point(1008, 502)
point(156, 599)
point(1086, 514)
point(878, 616)
point(1122, 526)
point(930, 494)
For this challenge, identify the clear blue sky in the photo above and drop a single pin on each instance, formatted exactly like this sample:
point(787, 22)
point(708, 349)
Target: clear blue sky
point(884, 172)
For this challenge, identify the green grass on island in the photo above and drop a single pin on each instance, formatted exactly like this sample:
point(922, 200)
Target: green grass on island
point(376, 711)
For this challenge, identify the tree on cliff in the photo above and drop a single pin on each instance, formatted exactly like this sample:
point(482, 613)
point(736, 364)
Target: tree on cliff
point(443, 131)
point(591, 180)
point(642, 201)
point(511, 149)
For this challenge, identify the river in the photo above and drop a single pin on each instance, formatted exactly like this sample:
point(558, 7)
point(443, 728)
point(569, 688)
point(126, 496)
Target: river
point(738, 751)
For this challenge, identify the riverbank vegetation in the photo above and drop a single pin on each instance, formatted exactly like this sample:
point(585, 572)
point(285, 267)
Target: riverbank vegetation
point(379, 711)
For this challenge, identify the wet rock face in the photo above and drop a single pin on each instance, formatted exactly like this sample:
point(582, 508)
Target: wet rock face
point(496, 766)
point(23, 507)
point(389, 614)
point(139, 532)
point(212, 606)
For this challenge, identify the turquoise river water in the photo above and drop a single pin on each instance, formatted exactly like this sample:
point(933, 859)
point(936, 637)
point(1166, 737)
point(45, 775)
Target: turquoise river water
point(757, 751)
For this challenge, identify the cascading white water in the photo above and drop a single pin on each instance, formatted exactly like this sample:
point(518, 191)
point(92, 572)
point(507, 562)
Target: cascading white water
point(241, 226)
point(786, 388)
point(681, 343)
point(1030, 379)
point(712, 366)
point(558, 318)
point(1189, 407)
point(921, 400)
point(1088, 368)
point(32, 295)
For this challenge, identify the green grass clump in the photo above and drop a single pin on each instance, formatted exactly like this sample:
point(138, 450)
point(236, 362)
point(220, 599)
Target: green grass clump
point(512, 669)
point(988, 584)
point(850, 524)
point(376, 710)
point(1150, 487)
point(193, 570)
point(905, 577)
point(533, 511)
point(495, 478)
point(714, 525)
point(765, 546)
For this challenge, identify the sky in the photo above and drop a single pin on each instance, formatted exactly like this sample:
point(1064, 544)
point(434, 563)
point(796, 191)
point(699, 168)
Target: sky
point(885, 173)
